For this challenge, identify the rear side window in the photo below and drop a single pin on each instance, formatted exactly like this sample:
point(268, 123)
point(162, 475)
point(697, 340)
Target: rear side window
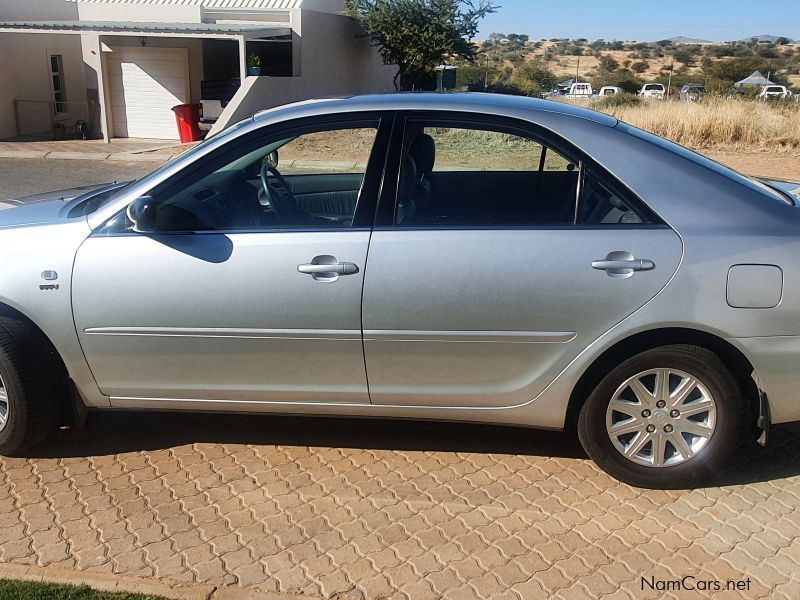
point(473, 176)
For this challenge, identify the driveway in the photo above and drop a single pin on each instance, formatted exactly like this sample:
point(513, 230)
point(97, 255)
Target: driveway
point(24, 176)
point(376, 509)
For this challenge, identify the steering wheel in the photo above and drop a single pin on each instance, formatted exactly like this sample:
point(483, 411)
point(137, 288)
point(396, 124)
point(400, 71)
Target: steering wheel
point(281, 200)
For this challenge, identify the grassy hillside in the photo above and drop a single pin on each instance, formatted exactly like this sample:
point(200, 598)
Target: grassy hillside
point(514, 63)
point(717, 123)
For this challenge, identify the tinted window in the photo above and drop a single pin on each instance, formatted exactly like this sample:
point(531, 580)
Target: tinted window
point(602, 205)
point(475, 176)
point(315, 182)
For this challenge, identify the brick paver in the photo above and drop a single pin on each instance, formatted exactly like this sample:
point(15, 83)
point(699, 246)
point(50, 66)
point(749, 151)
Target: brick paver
point(375, 509)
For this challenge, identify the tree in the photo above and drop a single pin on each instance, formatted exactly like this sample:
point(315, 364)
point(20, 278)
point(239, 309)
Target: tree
point(608, 63)
point(418, 35)
point(640, 67)
point(533, 78)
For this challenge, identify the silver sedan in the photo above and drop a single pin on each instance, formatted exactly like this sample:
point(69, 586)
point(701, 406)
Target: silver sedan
point(428, 256)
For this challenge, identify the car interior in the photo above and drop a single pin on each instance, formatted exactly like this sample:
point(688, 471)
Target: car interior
point(253, 192)
point(536, 196)
point(256, 191)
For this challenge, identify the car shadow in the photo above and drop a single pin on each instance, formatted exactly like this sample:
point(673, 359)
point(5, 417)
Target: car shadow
point(121, 432)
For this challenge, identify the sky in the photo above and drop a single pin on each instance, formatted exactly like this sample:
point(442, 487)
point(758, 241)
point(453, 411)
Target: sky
point(645, 20)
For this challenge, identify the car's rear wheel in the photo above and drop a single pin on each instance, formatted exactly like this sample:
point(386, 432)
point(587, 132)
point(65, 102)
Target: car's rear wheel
point(665, 418)
point(31, 389)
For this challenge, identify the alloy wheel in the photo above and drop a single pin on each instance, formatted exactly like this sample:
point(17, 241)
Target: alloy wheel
point(661, 417)
point(4, 404)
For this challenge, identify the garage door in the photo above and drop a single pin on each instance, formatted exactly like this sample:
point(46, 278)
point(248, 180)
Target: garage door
point(144, 84)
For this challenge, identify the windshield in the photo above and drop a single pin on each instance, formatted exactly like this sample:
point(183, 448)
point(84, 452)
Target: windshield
point(706, 162)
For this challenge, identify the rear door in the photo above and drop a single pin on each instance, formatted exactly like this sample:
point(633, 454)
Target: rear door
point(484, 290)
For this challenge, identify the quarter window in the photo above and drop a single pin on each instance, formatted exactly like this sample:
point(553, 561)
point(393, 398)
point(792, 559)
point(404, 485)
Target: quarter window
point(602, 205)
point(59, 89)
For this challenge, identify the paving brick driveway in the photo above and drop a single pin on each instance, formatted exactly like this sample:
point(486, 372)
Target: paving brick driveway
point(372, 509)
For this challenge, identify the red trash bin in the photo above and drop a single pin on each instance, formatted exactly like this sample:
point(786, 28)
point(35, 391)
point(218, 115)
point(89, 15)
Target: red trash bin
point(188, 117)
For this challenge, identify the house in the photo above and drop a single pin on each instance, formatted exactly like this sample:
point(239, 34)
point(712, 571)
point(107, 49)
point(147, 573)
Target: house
point(121, 65)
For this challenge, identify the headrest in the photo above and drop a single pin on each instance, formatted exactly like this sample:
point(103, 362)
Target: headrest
point(423, 150)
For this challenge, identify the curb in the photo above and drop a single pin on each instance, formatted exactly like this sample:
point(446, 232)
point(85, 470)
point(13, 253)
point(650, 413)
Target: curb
point(168, 588)
point(98, 156)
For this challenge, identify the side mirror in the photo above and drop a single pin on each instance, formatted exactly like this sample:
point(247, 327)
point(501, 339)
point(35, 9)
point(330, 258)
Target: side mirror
point(271, 159)
point(142, 213)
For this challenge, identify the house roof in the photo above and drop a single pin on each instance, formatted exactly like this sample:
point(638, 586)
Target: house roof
point(284, 4)
point(261, 30)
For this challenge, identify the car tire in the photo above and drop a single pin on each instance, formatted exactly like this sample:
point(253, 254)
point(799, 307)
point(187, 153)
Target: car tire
point(658, 438)
point(31, 389)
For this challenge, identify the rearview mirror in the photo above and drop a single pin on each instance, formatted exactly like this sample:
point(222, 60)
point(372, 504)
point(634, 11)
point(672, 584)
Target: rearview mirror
point(142, 213)
point(271, 159)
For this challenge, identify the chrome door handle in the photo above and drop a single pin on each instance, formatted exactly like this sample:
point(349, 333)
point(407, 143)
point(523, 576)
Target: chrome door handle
point(621, 264)
point(345, 268)
point(327, 268)
point(637, 264)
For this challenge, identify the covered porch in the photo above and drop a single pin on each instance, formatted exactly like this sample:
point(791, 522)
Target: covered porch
point(136, 72)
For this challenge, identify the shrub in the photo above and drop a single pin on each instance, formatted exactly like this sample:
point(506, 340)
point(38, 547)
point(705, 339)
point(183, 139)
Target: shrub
point(616, 101)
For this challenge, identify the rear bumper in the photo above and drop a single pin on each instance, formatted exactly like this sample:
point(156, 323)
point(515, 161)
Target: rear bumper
point(206, 124)
point(776, 360)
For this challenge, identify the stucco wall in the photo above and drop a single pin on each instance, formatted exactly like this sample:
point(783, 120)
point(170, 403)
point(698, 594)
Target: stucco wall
point(26, 65)
point(37, 10)
point(139, 13)
point(335, 62)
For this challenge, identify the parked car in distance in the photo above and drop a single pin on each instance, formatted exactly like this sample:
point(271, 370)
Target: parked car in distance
point(691, 92)
point(554, 267)
point(580, 90)
point(609, 90)
point(653, 90)
point(215, 96)
point(774, 91)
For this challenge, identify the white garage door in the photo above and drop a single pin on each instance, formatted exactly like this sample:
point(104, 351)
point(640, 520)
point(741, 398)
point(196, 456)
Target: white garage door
point(144, 84)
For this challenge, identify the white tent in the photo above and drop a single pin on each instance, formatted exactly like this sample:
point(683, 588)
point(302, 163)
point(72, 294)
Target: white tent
point(755, 79)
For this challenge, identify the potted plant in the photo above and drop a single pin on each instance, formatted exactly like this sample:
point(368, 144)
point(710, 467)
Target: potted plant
point(59, 130)
point(254, 64)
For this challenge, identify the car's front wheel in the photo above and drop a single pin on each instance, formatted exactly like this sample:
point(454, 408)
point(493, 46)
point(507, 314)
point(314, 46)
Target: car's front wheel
point(665, 418)
point(31, 390)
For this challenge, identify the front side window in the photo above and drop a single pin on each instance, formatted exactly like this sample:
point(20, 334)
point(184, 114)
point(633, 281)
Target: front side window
point(294, 180)
point(462, 176)
point(59, 90)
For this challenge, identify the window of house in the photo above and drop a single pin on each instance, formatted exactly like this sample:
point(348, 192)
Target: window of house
point(59, 89)
point(456, 176)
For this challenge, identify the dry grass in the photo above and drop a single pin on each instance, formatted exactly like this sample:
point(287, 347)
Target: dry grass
point(719, 123)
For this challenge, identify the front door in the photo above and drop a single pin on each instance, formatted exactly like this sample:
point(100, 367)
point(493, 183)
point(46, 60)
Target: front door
point(237, 293)
point(481, 288)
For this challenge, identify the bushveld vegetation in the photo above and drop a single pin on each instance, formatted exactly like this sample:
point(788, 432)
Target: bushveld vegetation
point(514, 63)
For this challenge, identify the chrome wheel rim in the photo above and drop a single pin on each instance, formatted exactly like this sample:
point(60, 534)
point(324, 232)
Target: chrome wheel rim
point(661, 417)
point(4, 404)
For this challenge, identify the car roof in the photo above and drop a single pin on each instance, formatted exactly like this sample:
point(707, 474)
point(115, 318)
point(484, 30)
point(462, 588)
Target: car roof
point(476, 102)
